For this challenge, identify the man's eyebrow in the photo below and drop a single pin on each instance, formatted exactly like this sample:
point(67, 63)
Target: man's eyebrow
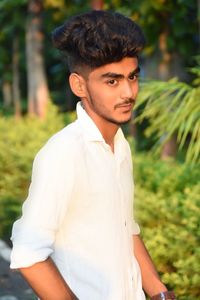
point(136, 71)
point(119, 76)
point(112, 75)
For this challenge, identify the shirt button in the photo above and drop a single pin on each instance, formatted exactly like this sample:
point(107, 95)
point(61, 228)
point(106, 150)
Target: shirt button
point(125, 223)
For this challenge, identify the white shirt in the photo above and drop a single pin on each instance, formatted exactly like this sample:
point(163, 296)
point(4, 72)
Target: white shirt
point(79, 211)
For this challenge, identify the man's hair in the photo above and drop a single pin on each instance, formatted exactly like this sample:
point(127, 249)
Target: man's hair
point(96, 38)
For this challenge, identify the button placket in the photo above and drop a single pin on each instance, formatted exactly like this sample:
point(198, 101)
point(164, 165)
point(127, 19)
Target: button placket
point(121, 194)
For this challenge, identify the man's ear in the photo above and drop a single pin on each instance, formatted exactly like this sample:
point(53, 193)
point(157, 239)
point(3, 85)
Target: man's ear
point(77, 84)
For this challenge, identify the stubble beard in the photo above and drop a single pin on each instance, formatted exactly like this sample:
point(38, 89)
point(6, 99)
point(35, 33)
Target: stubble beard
point(118, 123)
point(108, 118)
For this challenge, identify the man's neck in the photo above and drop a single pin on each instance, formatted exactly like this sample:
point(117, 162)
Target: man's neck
point(107, 129)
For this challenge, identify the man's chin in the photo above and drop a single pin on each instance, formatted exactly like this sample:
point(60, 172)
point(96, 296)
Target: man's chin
point(125, 122)
point(122, 122)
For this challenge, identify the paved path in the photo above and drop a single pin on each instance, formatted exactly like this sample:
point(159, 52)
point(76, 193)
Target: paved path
point(12, 285)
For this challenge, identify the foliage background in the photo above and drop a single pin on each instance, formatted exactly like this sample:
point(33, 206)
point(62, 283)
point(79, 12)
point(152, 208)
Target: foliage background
point(167, 199)
point(167, 192)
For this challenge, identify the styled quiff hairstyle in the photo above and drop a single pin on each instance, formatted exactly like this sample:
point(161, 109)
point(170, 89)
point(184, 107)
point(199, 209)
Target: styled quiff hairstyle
point(97, 38)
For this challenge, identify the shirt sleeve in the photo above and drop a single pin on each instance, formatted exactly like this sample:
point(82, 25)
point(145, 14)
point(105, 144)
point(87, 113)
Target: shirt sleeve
point(44, 210)
point(135, 228)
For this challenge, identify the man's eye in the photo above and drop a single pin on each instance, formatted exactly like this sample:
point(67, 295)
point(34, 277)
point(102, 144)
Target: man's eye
point(134, 77)
point(112, 82)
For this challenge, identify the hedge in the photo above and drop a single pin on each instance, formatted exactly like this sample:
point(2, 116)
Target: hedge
point(167, 199)
point(168, 208)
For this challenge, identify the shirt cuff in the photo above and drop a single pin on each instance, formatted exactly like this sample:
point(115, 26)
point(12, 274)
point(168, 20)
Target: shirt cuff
point(135, 228)
point(23, 256)
point(30, 246)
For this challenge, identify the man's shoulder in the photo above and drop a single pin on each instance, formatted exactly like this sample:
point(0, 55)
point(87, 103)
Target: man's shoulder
point(68, 135)
point(63, 143)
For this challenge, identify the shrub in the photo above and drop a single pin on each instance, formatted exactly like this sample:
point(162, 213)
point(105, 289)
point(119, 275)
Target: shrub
point(167, 199)
point(20, 141)
point(167, 203)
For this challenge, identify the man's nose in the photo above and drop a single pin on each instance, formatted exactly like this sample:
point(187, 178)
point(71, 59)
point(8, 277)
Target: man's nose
point(127, 90)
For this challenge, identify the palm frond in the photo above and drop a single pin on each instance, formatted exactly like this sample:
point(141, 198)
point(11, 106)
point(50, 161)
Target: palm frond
point(172, 107)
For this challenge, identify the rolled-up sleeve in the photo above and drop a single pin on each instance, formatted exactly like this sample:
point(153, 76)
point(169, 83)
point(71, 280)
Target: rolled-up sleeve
point(135, 228)
point(44, 210)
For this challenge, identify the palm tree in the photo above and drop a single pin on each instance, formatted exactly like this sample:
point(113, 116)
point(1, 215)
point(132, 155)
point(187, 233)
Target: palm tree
point(173, 107)
point(38, 93)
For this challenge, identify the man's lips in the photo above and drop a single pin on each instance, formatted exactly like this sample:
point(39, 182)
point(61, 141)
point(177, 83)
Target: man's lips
point(126, 105)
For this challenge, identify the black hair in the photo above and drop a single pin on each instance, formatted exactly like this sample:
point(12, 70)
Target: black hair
point(96, 38)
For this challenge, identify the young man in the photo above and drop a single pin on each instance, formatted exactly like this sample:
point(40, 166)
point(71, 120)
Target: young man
point(77, 238)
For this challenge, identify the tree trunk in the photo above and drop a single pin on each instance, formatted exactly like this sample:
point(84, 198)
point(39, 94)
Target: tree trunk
point(170, 147)
point(164, 66)
point(97, 4)
point(16, 76)
point(38, 93)
point(7, 93)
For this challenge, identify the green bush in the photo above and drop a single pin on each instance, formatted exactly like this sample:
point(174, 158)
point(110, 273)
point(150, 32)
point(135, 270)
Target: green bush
point(167, 199)
point(20, 141)
point(168, 208)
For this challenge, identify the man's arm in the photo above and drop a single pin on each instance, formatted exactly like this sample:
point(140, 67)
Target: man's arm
point(150, 279)
point(47, 282)
point(44, 210)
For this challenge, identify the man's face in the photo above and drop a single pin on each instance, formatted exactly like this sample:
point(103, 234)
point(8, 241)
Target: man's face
point(111, 91)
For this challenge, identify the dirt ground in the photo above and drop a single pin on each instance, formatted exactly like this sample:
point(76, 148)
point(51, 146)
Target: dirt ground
point(12, 284)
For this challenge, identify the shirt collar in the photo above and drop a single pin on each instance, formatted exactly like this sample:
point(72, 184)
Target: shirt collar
point(90, 129)
point(92, 133)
